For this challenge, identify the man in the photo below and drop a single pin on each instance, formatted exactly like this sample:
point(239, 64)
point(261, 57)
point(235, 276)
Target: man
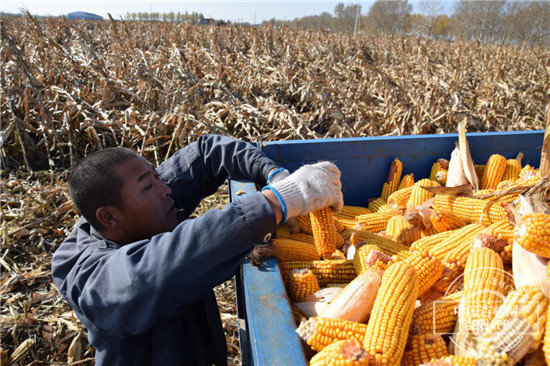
point(139, 273)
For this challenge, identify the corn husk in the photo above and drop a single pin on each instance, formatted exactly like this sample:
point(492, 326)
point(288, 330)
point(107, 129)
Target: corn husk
point(356, 300)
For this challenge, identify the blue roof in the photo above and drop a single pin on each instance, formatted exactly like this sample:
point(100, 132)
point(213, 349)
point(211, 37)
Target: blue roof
point(83, 15)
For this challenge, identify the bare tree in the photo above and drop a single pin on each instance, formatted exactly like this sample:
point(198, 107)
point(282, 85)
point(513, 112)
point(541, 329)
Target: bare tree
point(431, 9)
point(478, 19)
point(389, 16)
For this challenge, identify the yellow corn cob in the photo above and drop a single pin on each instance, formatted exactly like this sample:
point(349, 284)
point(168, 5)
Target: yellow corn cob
point(483, 288)
point(546, 345)
point(528, 172)
point(401, 230)
point(422, 348)
point(373, 222)
point(454, 250)
point(350, 212)
point(305, 223)
point(436, 167)
point(441, 176)
point(346, 234)
point(436, 317)
point(472, 210)
point(324, 233)
point(511, 172)
point(341, 353)
point(419, 194)
point(423, 245)
point(301, 283)
point(400, 197)
point(494, 171)
point(349, 224)
point(429, 270)
point(453, 360)
point(388, 246)
point(394, 177)
point(533, 233)
point(293, 250)
point(375, 204)
point(326, 271)
point(445, 221)
point(479, 171)
point(368, 256)
point(406, 181)
point(517, 327)
point(391, 316)
point(338, 225)
point(394, 210)
point(319, 332)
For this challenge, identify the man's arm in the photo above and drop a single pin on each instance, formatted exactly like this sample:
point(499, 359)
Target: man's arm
point(197, 170)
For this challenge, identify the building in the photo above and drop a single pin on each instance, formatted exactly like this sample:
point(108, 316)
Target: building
point(83, 15)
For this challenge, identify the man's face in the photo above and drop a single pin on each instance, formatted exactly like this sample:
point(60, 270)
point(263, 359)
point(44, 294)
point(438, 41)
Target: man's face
point(147, 208)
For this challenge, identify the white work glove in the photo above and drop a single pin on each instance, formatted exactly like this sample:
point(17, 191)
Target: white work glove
point(308, 189)
point(277, 175)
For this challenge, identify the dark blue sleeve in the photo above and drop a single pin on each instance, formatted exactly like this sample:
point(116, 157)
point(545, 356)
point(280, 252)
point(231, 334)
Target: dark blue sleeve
point(200, 168)
point(127, 290)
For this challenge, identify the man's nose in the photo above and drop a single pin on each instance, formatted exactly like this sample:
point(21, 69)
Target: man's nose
point(165, 190)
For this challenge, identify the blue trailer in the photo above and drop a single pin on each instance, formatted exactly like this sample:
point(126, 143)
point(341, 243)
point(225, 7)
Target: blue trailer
point(267, 330)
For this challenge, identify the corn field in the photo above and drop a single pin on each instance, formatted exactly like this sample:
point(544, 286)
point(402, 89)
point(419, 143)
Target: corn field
point(71, 87)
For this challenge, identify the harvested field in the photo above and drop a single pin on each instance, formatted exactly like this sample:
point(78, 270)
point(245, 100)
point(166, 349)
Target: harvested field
point(71, 87)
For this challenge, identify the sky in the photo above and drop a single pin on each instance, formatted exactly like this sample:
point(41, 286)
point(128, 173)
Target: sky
point(235, 10)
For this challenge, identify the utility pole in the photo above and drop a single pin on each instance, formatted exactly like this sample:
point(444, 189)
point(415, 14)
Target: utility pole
point(356, 19)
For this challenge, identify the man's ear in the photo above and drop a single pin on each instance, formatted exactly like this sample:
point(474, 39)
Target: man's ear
point(107, 216)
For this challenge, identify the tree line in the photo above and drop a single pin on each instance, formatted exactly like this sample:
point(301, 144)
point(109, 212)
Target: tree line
point(166, 17)
point(505, 22)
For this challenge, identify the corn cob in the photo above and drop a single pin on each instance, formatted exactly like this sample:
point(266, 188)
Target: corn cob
point(441, 176)
point(479, 171)
point(452, 360)
point(341, 353)
point(429, 270)
point(546, 344)
point(305, 224)
point(394, 210)
point(511, 172)
point(401, 230)
point(349, 224)
point(301, 283)
point(324, 233)
point(419, 194)
point(406, 181)
point(423, 348)
point(528, 172)
point(448, 284)
point(445, 221)
point(350, 212)
point(388, 246)
point(436, 317)
point(293, 250)
point(424, 244)
point(319, 332)
point(388, 326)
point(327, 271)
point(483, 288)
point(472, 210)
point(436, 167)
point(373, 222)
point(338, 226)
point(400, 197)
point(375, 204)
point(533, 233)
point(368, 256)
point(454, 250)
point(394, 177)
point(517, 327)
point(355, 301)
point(493, 172)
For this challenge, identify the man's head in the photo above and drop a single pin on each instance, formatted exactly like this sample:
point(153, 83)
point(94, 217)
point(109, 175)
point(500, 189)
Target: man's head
point(119, 193)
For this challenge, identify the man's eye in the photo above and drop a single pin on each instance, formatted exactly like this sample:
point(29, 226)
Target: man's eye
point(148, 187)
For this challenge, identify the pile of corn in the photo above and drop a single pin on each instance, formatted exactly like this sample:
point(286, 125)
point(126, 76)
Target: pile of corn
point(444, 267)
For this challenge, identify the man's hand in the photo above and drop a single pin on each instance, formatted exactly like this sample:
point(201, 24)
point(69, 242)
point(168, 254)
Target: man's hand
point(310, 188)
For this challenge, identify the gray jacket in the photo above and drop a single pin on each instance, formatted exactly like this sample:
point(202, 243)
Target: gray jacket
point(151, 302)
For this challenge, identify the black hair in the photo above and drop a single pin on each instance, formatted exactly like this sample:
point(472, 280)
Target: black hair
point(93, 182)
